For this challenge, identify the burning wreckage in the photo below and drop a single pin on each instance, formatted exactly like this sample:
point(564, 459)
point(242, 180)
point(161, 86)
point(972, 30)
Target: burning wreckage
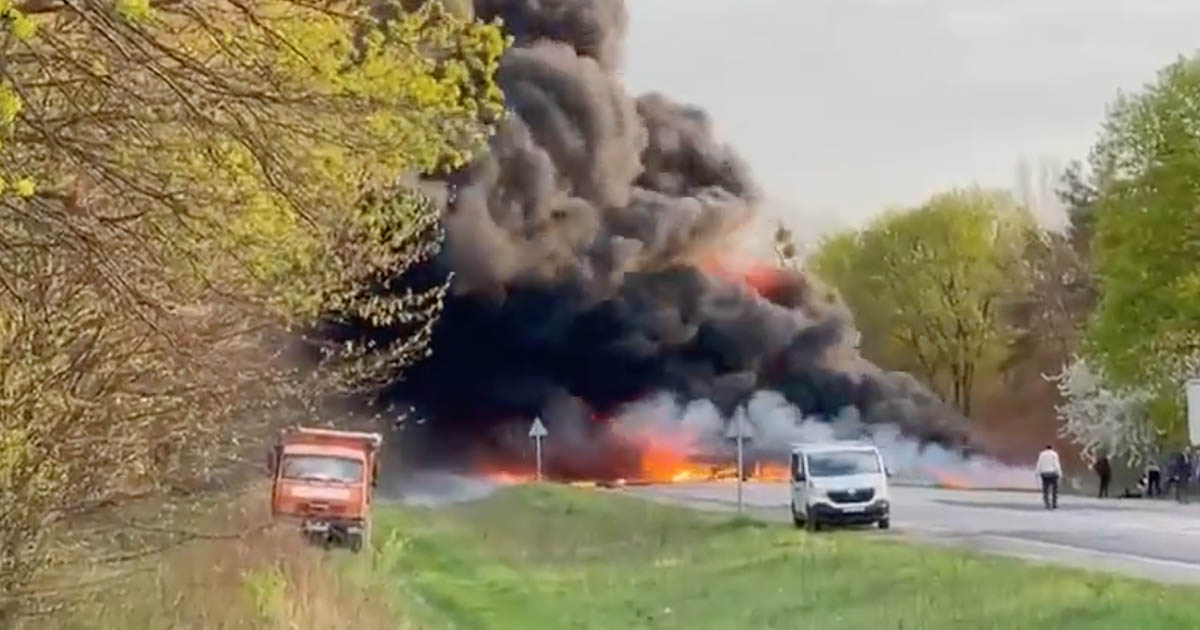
point(595, 280)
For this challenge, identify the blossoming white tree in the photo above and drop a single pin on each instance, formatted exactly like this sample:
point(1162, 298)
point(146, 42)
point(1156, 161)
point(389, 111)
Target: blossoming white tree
point(1097, 417)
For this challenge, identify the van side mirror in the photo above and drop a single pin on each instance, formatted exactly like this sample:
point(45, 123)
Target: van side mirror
point(888, 472)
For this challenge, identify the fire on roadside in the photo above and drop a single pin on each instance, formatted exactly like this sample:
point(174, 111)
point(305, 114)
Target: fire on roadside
point(949, 480)
point(660, 462)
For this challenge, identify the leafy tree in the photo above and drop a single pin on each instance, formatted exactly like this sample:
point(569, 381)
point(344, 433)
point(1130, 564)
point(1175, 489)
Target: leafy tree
point(927, 285)
point(1146, 174)
point(184, 185)
point(1079, 196)
point(1098, 418)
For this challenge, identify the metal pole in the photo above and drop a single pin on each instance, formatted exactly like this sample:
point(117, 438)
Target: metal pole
point(538, 447)
point(740, 468)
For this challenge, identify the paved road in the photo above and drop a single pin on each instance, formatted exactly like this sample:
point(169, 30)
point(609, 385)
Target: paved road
point(1154, 539)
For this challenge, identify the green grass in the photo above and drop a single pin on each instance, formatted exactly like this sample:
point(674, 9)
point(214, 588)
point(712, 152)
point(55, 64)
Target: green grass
point(550, 557)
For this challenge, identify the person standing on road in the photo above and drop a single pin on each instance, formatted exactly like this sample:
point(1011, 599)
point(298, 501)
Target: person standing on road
point(1104, 471)
point(1181, 474)
point(1153, 479)
point(1049, 469)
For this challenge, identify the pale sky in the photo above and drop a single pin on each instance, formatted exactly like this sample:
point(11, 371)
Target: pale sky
point(844, 107)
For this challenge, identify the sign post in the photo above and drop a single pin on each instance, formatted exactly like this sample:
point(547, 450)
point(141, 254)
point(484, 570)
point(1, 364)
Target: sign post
point(1193, 410)
point(740, 432)
point(537, 432)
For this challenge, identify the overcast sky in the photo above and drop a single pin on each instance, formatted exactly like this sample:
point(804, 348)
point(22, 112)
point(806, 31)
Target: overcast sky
point(844, 107)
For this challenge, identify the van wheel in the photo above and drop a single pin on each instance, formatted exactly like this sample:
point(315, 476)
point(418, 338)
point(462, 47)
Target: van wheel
point(813, 525)
point(796, 518)
point(884, 523)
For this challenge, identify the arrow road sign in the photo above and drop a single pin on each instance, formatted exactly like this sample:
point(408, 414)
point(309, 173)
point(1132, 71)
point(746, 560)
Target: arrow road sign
point(739, 428)
point(537, 432)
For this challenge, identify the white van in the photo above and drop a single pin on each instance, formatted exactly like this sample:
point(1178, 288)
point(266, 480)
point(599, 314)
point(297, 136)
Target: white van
point(839, 483)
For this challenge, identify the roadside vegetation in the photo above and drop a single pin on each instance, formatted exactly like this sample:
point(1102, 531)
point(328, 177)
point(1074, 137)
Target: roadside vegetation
point(254, 578)
point(550, 557)
point(187, 190)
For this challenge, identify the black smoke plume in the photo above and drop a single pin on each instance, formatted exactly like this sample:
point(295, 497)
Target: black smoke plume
point(575, 244)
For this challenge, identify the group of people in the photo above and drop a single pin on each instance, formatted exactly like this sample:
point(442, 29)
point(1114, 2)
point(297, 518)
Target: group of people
point(1183, 470)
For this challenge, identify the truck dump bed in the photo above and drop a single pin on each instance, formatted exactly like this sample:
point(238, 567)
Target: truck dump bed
point(369, 442)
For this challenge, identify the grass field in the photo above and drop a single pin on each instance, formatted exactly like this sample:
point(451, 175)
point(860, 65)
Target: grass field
point(548, 557)
point(552, 557)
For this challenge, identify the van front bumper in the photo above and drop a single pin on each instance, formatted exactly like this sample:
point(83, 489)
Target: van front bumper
point(851, 514)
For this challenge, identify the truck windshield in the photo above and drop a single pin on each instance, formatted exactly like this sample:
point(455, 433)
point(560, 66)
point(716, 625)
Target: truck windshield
point(318, 468)
point(838, 463)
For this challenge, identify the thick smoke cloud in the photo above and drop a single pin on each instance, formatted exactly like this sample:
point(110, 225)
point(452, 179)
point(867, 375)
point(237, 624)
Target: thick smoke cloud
point(576, 245)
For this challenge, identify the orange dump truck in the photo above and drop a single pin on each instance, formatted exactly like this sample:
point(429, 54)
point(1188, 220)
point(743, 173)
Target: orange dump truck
point(324, 481)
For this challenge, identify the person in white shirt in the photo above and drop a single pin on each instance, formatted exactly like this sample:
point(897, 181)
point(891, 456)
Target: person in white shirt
point(1049, 470)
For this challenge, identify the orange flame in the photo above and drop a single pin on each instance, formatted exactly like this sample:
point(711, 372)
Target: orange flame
point(662, 463)
point(950, 480)
point(763, 277)
point(661, 459)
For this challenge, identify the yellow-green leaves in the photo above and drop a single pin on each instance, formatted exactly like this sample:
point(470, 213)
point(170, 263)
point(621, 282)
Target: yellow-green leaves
point(19, 24)
point(187, 188)
point(134, 10)
point(10, 105)
point(926, 285)
point(24, 187)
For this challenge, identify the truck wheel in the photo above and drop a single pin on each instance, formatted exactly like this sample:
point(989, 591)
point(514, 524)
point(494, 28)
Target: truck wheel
point(356, 543)
point(884, 523)
point(796, 518)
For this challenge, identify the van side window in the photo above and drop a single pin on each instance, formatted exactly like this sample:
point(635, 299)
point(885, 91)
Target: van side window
point(797, 467)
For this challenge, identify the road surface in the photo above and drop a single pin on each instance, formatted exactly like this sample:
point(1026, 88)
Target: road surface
point(1149, 538)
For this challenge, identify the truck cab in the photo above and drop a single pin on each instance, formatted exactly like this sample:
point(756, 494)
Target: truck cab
point(839, 483)
point(324, 480)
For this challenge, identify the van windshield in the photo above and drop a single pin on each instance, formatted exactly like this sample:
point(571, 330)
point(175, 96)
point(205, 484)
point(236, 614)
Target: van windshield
point(838, 463)
point(321, 468)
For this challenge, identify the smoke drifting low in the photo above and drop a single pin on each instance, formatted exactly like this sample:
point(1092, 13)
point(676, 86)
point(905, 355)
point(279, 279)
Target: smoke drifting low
point(582, 247)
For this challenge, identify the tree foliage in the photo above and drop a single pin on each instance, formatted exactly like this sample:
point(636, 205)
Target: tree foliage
point(184, 184)
point(1100, 419)
point(927, 285)
point(1146, 172)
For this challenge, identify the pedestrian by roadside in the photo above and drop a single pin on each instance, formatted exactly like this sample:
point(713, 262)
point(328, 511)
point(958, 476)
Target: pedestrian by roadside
point(1153, 479)
point(1104, 471)
point(1181, 474)
point(1049, 470)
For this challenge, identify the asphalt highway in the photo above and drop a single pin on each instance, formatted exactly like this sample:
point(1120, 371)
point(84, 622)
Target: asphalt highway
point(1148, 538)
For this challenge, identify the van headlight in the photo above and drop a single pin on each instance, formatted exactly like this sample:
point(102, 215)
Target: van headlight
point(818, 493)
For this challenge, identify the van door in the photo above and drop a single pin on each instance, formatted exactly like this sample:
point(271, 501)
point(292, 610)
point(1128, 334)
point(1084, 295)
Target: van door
point(799, 484)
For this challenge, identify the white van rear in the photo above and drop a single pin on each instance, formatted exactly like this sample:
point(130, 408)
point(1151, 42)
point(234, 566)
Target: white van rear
point(836, 483)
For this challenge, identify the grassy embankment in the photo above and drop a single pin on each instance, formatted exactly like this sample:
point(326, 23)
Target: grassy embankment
point(557, 558)
point(265, 580)
point(550, 557)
